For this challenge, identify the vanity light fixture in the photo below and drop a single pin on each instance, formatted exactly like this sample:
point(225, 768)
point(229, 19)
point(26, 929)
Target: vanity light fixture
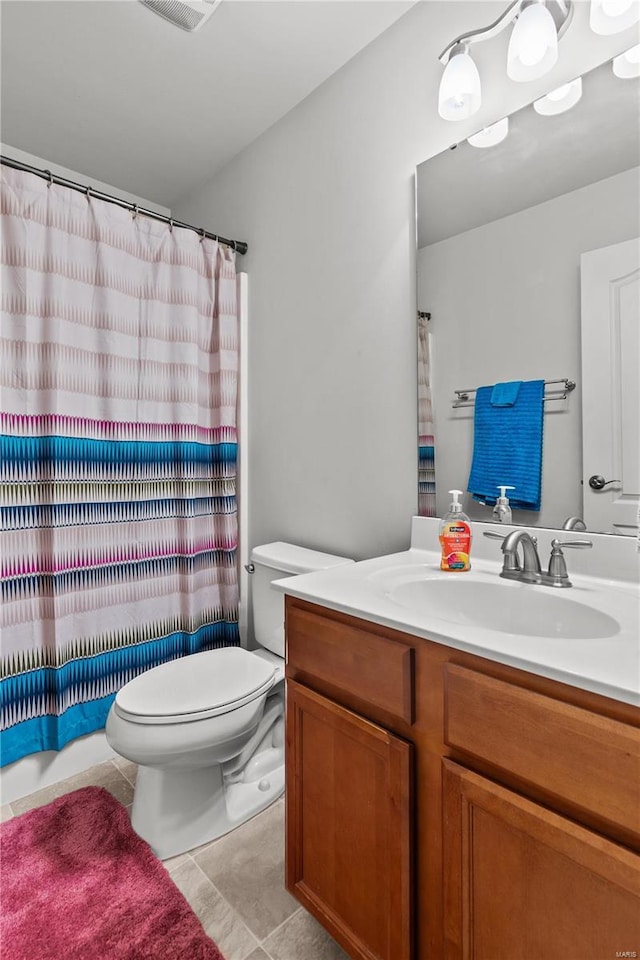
point(533, 45)
point(613, 16)
point(533, 50)
point(459, 96)
point(559, 100)
point(490, 136)
point(627, 65)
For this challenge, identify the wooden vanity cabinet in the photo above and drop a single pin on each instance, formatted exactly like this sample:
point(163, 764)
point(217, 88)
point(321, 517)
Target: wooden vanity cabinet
point(349, 825)
point(441, 805)
point(349, 785)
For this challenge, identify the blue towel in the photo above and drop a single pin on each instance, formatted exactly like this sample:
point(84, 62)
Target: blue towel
point(505, 394)
point(507, 447)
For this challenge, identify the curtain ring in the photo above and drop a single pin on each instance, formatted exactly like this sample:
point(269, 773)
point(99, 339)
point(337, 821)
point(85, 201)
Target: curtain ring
point(202, 233)
point(88, 193)
point(171, 225)
point(50, 176)
point(134, 212)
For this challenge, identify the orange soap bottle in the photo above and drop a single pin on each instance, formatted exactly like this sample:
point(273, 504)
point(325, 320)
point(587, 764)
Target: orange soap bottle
point(455, 537)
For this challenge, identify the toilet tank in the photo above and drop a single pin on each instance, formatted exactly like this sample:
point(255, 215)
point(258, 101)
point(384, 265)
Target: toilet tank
point(275, 561)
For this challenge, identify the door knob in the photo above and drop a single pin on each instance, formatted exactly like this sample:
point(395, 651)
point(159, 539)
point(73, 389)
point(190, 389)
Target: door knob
point(596, 482)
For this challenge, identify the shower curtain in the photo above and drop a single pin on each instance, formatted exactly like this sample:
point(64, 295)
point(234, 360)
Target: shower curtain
point(119, 363)
point(426, 442)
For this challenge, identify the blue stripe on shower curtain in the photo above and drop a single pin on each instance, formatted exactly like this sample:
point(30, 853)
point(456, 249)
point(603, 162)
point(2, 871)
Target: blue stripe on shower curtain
point(75, 678)
point(55, 451)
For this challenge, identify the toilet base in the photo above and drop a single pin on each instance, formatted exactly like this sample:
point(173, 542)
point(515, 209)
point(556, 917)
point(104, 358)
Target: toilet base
point(177, 810)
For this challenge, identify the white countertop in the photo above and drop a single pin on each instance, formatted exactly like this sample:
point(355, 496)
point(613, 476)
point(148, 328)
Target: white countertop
point(607, 665)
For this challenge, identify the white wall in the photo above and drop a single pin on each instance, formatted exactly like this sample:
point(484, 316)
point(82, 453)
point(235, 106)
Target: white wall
point(325, 199)
point(516, 316)
point(43, 163)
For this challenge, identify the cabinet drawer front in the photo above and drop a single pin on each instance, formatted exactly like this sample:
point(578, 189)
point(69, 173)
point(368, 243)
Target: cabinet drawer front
point(377, 671)
point(587, 759)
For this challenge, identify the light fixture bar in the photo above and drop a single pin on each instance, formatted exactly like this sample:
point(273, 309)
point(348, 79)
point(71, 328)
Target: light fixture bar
point(560, 10)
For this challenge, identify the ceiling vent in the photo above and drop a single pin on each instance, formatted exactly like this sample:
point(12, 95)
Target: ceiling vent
point(188, 14)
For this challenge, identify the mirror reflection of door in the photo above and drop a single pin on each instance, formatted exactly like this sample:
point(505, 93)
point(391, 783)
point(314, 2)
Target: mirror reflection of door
point(610, 318)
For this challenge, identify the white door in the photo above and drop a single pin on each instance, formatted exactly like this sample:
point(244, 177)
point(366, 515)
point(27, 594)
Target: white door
point(610, 280)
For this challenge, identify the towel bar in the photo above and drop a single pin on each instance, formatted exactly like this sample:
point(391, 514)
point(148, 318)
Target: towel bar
point(464, 400)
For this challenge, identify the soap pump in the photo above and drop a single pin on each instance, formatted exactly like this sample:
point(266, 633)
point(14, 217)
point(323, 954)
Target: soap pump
point(455, 536)
point(502, 509)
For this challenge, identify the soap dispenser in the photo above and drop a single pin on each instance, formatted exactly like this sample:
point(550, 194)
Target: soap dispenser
point(502, 509)
point(455, 537)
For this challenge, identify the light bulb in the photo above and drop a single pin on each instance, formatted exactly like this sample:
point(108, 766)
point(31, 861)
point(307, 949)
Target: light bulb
point(559, 93)
point(559, 100)
point(533, 46)
point(627, 65)
point(490, 136)
point(459, 96)
point(613, 16)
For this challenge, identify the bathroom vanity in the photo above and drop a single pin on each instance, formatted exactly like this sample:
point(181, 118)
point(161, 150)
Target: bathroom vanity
point(450, 799)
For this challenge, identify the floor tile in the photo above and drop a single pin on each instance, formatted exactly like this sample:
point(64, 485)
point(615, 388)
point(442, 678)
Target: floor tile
point(277, 805)
point(219, 919)
point(247, 867)
point(174, 862)
point(302, 938)
point(259, 954)
point(5, 812)
point(104, 775)
point(127, 768)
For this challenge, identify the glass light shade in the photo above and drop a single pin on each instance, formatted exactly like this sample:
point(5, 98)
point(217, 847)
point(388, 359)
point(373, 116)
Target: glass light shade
point(559, 100)
point(490, 136)
point(533, 45)
point(613, 16)
point(459, 96)
point(627, 65)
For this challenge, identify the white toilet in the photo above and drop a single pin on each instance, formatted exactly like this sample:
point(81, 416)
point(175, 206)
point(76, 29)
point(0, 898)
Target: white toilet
point(207, 730)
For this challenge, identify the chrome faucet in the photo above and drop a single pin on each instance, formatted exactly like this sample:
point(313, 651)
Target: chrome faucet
point(574, 523)
point(530, 571)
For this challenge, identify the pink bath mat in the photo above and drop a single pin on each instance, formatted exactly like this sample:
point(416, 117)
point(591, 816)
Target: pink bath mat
point(76, 883)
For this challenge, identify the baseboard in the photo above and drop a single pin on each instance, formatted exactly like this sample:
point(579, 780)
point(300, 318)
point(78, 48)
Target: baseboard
point(40, 770)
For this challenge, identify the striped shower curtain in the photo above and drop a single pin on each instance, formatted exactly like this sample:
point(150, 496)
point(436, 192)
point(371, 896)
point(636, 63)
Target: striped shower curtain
point(119, 361)
point(426, 441)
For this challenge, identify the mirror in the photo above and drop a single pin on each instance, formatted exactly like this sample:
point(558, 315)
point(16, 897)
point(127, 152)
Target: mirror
point(501, 233)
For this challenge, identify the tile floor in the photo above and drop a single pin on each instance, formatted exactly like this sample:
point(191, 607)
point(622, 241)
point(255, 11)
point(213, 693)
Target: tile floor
point(235, 884)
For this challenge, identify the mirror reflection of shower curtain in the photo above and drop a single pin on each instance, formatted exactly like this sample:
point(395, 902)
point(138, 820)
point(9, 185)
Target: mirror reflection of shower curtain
point(119, 371)
point(426, 441)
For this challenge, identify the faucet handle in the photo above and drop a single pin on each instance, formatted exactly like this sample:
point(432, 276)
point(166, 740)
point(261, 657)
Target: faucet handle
point(574, 544)
point(503, 536)
point(557, 575)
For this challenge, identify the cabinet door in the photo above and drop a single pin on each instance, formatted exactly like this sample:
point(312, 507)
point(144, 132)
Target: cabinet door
point(349, 813)
point(523, 883)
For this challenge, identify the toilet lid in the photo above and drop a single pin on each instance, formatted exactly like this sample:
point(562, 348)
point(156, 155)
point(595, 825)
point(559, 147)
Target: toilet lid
point(194, 687)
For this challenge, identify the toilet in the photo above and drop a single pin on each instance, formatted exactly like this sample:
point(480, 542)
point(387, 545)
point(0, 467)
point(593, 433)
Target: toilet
point(207, 730)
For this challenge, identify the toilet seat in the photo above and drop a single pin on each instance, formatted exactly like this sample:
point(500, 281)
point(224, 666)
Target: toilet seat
point(196, 687)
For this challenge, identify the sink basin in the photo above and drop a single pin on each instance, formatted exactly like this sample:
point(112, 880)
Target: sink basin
point(506, 607)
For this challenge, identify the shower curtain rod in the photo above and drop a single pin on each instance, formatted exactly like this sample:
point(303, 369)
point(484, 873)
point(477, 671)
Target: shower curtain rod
point(238, 245)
